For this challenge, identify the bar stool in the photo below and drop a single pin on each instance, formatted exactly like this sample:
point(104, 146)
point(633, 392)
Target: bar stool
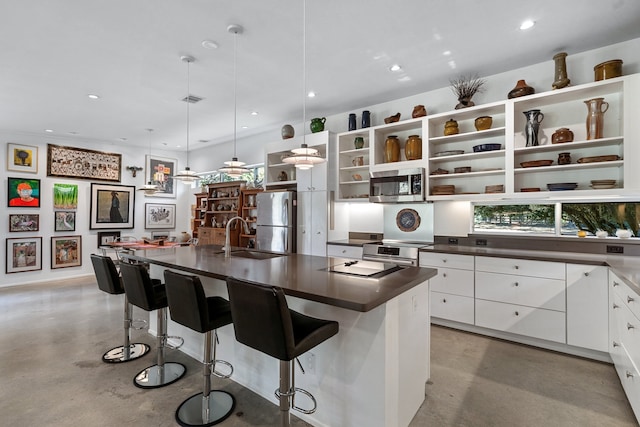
point(263, 321)
point(190, 307)
point(150, 294)
point(109, 281)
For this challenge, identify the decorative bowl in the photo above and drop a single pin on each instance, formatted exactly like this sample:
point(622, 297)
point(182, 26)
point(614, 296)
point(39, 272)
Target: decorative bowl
point(486, 147)
point(536, 163)
point(562, 135)
point(601, 233)
point(608, 70)
point(498, 188)
point(462, 169)
point(483, 123)
point(356, 177)
point(561, 186)
point(448, 153)
point(623, 234)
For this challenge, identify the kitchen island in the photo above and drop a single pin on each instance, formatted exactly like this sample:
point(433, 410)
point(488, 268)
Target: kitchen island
point(373, 373)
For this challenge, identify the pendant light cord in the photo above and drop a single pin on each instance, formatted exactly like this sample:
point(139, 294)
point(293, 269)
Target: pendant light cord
point(235, 91)
point(188, 102)
point(304, 69)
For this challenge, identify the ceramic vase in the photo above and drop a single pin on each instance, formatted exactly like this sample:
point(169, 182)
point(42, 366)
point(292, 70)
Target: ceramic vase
point(287, 131)
point(358, 142)
point(183, 237)
point(418, 111)
point(561, 79)
point(317, 124)
point(352, 121)
point(413, 148)
point(366, 119)
point(534, 117)
point(392, 149)
point(521, 89)
point(596, 108)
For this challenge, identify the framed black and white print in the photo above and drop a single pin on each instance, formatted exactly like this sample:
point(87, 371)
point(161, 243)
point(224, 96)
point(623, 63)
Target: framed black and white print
point(112, 206)
point(158, 215)
point(80, 163)
point(65, 220)
point(107, 237)
point(24, 222)
point(24, 254)
point(22, 158)
point(159, 171)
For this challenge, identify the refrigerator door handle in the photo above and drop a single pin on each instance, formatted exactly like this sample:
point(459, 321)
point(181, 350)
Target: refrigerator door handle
point(285, 208)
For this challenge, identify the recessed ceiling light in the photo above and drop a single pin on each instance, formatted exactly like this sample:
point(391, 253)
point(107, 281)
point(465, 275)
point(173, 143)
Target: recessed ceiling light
point(209, 44)
point(122, 139)
point(254, 113)
point(527, 24)
point(178, 146)
point(93, 96)
point(395, 67)
point(73, 133)
point(245, 127)
point(452, 64)
point(311, 94)
point(201, 140)
point(48, 130)
point(446, 53)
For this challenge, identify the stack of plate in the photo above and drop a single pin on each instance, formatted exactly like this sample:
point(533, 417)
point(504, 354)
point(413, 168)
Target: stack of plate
point(441, 190)
point(601, 184)
point(494, 188)
point(448, 153)
point(562, 186)
point(529, 189)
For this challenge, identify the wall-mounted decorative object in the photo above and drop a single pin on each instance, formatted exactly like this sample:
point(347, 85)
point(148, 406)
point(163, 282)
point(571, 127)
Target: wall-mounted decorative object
point(106, 237)
point(134, 170)
point(66, 251)
point(23, 192)
point(24, 222)
point(80, 163)
point(65, 221)
point(159, 172)
point(24, 254)
point(159, 216)
point(65, 196)
point(22, 158)
point(112, 206)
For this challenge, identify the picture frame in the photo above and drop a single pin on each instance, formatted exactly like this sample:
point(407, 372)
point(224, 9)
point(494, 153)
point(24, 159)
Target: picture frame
point(23, 254)
point(23, 192)
point(65, 220)
point(66, 251)
point(159, 171)
point(103, 214)
point(157, 215)
point(20, 223)
point(22, 158)
point(81, 163)
point(106, 237)
point(65, 196)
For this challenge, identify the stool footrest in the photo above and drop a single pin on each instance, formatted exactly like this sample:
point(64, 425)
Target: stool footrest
point(139, 324)
point(291, 393)
point(219, 374)
point(175, 338)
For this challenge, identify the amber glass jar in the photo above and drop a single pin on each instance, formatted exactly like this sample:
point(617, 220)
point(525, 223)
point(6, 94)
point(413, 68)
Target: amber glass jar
point(392, 149)
point(413, 148)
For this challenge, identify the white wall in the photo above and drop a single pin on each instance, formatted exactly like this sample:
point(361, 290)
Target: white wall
point(131, 155)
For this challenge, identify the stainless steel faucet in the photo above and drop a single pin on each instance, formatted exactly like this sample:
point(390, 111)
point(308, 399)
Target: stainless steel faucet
point(227, 240)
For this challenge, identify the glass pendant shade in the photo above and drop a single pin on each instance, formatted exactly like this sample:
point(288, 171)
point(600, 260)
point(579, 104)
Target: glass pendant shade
point(304, 157)
point(187, 176)
point(234, 168)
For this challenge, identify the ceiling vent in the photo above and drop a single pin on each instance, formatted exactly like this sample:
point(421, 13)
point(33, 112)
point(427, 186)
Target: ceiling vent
point(191, 99)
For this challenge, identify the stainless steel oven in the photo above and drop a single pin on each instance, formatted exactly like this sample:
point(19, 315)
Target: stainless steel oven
point(400, 253)
point(397, 186)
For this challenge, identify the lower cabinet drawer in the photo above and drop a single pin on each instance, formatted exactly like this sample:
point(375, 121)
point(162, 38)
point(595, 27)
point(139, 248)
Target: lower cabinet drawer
point(628, 326)
point(452, 307)
point(522, 290)
point(517, 319)
point(630, 379)
point(343, 251)
point(452, 281)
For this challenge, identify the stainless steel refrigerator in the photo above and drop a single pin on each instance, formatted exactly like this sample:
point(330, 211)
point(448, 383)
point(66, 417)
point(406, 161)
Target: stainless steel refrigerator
point(276, 222)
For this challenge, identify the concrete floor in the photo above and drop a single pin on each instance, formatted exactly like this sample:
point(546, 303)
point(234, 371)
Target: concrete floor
point(54, 334)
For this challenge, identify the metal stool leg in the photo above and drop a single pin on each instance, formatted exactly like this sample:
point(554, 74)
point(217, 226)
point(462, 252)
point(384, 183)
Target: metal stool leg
point(128, 351)
point(211, 406)
point(160, 374)
point(287, 391)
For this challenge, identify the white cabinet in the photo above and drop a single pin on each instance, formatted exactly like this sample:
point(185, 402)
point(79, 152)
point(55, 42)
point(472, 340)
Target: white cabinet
point(312, 223)
point(521, 297)
point(343, 251)
point(452, 290)
point(352, 166)
point(587, 307)
point(624, 326)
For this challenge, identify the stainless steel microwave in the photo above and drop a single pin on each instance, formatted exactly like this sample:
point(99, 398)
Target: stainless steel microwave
point(397, 186)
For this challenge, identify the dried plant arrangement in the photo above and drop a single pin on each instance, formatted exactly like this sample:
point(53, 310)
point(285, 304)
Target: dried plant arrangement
point(465, 87)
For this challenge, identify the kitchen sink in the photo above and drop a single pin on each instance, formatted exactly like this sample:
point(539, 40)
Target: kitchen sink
point(255, 254)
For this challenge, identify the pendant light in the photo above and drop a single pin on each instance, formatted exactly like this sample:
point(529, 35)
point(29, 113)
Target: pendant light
point(149, 188)
point(233, 167)
point(304, 157)
point(187, 175)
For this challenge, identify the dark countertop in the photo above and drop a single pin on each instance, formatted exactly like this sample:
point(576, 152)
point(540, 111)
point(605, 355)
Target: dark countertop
point(301, 276)
point(626, 267)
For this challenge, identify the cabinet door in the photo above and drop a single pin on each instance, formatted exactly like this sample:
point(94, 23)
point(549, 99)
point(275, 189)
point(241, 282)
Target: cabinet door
point(587, 307)
point(312, 223)
point(314, 179)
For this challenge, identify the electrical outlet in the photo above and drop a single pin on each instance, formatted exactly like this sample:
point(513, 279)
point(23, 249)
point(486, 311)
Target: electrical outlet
point(414, 303)
point(311, 362)
point(453, 241)
point(611, 249)
point(481, 242)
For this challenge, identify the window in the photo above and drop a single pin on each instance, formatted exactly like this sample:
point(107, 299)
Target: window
point(608, 217)
point(255, 176)
point(529, 219)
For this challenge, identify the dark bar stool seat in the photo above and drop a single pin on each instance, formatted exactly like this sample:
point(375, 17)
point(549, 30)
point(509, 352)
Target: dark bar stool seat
point(150, 294)
point(190, 307)
point(263, 321)
point(109, 281)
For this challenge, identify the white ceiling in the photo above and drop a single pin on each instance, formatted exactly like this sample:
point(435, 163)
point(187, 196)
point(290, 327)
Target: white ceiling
point(56, 52)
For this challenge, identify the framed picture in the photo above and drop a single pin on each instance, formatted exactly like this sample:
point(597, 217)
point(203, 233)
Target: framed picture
point(80, 163)
point(24, 222)
point(65, 221)
point(159, 171)
point(24, 193)
point(22, 158)
point(24, 254)
point(65, 196)
point(159, 216)
point(106, 237)
point(112, 206)
point(66, 251)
